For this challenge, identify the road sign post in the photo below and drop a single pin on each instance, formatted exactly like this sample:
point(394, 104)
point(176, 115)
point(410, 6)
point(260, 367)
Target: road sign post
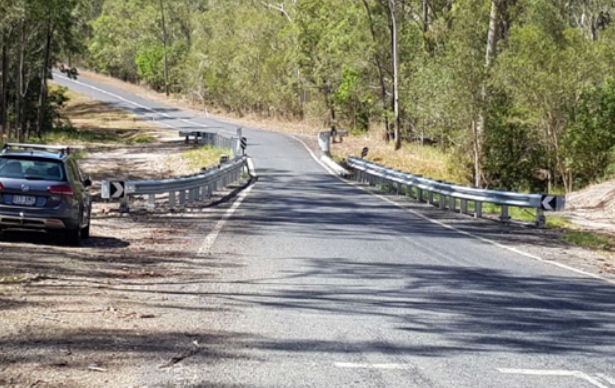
point(244, 144)
point(364, 152)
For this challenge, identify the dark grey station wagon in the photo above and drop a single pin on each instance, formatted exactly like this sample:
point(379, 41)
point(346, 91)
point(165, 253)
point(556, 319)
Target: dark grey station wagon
point(42, 188)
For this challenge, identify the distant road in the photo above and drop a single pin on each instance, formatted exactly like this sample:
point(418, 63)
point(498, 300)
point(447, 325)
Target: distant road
point(337, 288)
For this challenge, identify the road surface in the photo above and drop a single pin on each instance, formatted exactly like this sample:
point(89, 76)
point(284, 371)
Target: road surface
point(339, 288)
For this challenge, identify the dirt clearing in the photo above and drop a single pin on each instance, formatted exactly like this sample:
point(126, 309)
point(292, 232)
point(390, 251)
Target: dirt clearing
point(88, 316)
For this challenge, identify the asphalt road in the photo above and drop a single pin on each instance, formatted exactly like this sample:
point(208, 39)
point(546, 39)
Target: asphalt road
point(338, 288)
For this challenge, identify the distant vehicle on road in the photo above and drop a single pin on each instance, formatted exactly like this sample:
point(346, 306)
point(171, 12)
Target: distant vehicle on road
point(42, 188)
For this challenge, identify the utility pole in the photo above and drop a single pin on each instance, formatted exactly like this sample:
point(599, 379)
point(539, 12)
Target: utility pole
point(164, 45)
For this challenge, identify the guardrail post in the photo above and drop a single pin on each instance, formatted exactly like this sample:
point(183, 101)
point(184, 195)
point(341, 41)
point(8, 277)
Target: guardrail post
point(452, 203)
point(419, 196)
point(504, 217)
point(152, 201)
point(182, 198)
point(430, 197)
point(172, 199)
point(191, 195)
point(124, 205)
point(390, 186)
point(442, 201)
point(541, 221)
point(478, 209)
point(464, 206)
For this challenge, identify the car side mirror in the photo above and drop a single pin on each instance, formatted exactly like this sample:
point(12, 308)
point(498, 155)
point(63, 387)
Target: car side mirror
point(87, 182)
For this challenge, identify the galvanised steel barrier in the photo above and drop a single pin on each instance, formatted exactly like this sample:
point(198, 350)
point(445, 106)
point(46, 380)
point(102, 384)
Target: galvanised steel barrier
point(188, 189)
point(452, 196)
point(214, 139)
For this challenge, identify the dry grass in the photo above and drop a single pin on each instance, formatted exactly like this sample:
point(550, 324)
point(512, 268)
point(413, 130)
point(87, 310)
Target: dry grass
point(94, 122)
point(428, 161)
point(191, 161)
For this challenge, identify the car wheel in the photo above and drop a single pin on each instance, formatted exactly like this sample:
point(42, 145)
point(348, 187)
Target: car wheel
point(73, 237)
point(85, 232)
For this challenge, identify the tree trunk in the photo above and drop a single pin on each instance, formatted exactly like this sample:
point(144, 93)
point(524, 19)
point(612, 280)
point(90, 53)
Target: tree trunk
point(492, 39)
point(425, 16)
point(42, 100)
point(396, 123)
point(4, 87)
point(164, 45)
point(383, 88)
point(20, 89)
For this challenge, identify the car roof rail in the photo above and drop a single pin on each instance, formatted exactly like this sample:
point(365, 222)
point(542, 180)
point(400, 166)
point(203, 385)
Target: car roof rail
point(62, 150)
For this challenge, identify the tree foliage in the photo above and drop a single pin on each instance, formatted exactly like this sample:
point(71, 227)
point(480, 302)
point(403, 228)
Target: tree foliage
point(520, 91)
point(34, 34)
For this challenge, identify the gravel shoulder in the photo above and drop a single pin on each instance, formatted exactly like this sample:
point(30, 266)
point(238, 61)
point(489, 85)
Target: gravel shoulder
point(90, 316)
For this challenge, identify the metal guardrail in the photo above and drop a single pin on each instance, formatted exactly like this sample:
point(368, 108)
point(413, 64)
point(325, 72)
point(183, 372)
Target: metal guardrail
point(214, 139)
point(424, 190)
point(187, 189)
point(183, 190)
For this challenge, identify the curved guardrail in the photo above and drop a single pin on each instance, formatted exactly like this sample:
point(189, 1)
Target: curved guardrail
point(188, 189)
point(214, 139)
point(449, 194)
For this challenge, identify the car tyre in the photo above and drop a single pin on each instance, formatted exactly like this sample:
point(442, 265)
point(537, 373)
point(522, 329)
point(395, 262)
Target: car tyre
point(85, 232)
point(73, 237)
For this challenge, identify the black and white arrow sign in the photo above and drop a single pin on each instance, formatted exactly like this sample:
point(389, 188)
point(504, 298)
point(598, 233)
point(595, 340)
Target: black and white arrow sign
point(116, 189)
point(552, 202)
point(112, 189)
point(548, 202)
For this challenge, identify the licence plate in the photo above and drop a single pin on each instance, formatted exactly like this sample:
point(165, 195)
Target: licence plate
point(24, 200)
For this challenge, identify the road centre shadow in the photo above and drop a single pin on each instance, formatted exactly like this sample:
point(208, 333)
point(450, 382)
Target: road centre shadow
point(469, 310)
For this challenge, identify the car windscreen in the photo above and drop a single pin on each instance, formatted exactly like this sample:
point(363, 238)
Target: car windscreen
point(32, 169)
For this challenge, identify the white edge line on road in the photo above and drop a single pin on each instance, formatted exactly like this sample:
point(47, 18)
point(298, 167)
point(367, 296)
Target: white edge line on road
point(606, 378)
point(210, 239)
point(351, 365)
point(140, 106)
point(447, 226)
point(546, 372)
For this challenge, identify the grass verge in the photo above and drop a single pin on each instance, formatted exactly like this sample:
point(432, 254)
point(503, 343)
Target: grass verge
point(192, 161)
point(90, 122)
point(201, 157)
point(428, 161)
point(588, 240)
